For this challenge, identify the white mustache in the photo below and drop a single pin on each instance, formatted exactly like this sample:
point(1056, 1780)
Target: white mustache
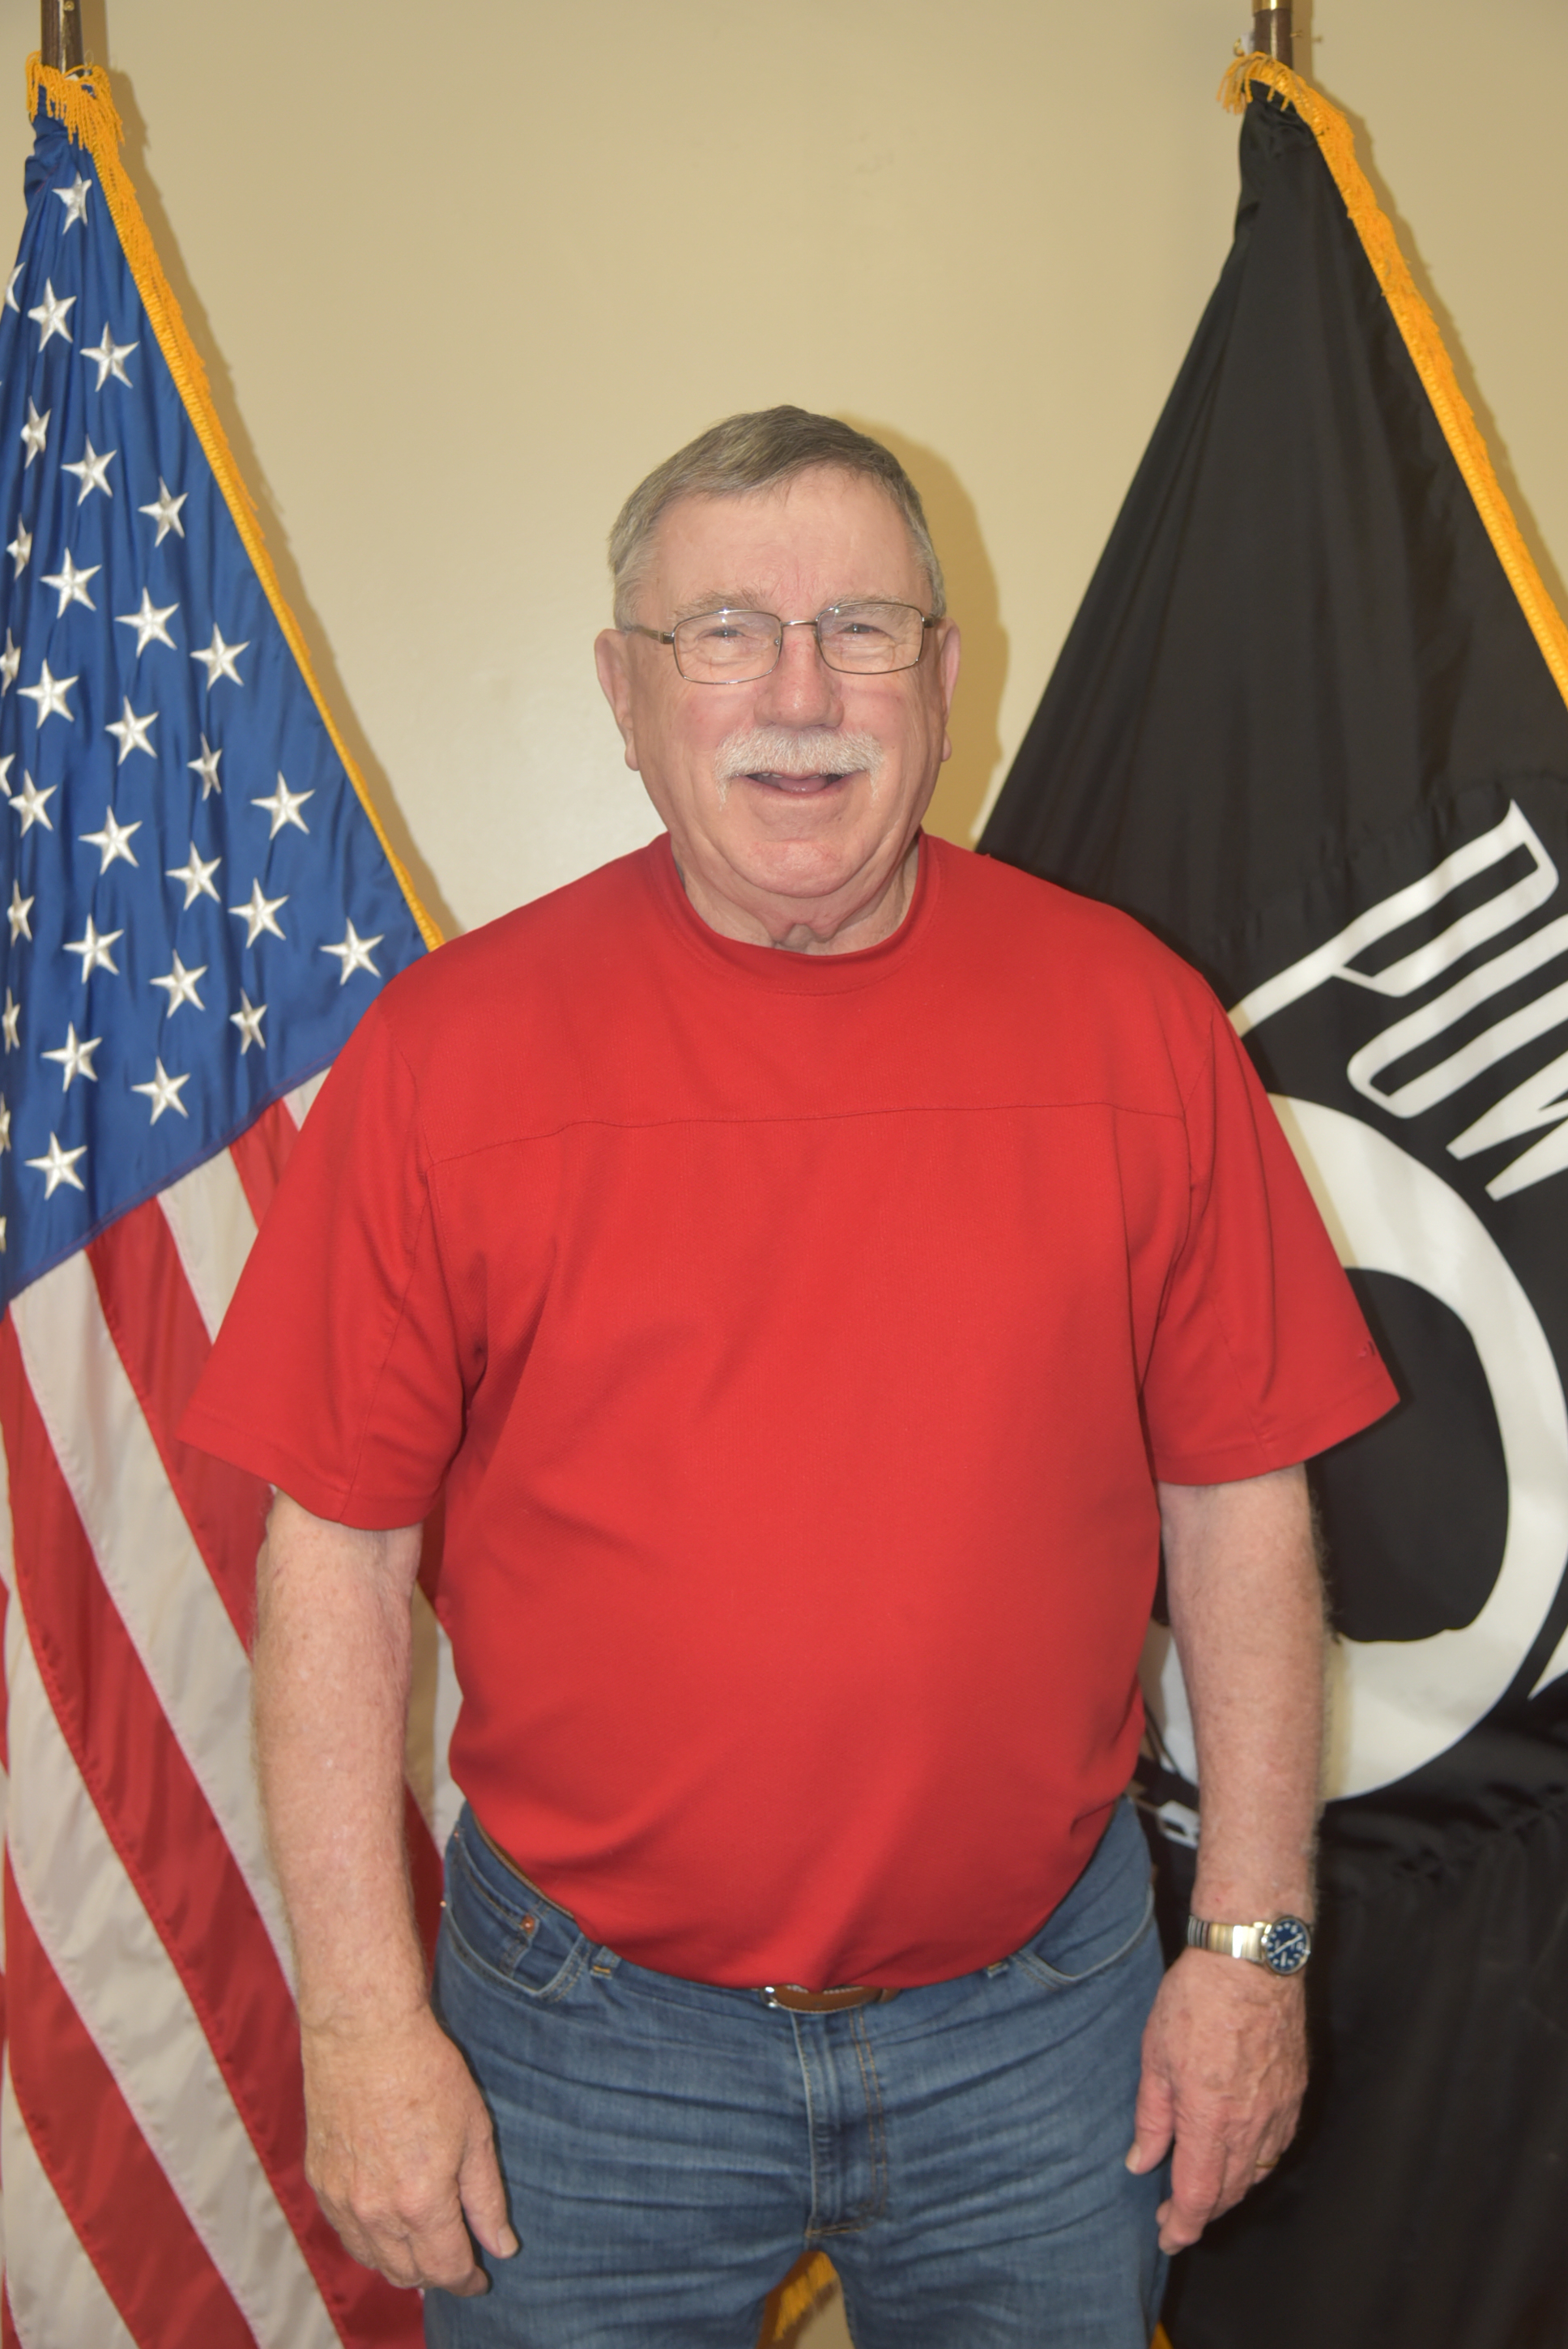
point(796, 750)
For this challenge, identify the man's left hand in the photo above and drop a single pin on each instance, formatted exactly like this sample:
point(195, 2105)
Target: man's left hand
point(1225, 2068)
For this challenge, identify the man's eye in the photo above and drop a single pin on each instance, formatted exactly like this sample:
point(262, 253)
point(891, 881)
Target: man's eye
point(722, 632)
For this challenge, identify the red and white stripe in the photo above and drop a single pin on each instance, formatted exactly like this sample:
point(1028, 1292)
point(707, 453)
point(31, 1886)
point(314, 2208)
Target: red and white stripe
point(151, 2127)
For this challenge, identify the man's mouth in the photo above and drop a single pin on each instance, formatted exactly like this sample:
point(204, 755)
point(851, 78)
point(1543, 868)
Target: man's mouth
point(797, 785)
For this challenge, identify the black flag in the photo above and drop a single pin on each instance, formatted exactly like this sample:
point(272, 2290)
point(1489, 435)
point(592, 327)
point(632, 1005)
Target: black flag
point(1310, 726)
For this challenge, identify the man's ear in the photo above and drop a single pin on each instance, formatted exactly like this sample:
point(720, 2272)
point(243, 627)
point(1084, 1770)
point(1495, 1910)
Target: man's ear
point(947, 656)
point(613, 660)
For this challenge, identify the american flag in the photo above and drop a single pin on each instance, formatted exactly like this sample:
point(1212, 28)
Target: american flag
point(197, 907)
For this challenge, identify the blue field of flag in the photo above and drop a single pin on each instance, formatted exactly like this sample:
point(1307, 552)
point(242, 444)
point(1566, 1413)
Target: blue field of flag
point(194, 906)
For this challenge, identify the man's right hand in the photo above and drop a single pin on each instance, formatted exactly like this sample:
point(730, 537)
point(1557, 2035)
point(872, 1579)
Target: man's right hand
point(400, 2151)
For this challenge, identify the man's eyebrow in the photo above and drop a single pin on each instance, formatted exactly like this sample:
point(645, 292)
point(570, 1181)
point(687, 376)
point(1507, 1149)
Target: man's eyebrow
point(718, 599)
point(744, 599)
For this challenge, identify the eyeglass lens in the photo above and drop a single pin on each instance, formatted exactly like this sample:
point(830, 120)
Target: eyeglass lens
point(731, 648)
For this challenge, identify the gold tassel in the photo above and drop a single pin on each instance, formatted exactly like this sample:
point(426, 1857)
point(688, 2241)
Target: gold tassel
point(81, 101)
point(804, 2292)
point(1422, 340)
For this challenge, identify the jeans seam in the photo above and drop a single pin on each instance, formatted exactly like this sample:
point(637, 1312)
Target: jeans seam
point(876, 2118)
point(875, 2203)
point(812, 2230)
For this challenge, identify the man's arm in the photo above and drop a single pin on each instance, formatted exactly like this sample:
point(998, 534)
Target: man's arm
point(1225, 2053)
point(399, 2145)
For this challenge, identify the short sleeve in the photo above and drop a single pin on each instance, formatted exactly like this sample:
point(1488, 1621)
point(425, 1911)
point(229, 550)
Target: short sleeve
point(336, 1372)
point(1260, 1357)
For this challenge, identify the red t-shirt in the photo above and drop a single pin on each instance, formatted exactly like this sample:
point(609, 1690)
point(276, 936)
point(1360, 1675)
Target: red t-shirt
point(798, 1339)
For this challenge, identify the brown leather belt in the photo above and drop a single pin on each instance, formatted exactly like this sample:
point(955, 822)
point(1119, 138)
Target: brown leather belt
point(785, 1995)
point(824, 2002)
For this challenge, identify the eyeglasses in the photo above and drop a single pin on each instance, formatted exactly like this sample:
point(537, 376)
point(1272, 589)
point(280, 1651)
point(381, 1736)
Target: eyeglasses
point(728, 647)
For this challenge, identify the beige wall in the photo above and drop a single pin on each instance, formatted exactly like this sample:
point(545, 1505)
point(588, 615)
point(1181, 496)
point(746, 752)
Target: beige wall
point(456, 299)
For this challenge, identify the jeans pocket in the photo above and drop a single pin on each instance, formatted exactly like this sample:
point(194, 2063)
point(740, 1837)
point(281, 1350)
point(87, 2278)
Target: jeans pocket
point(503, 1932)
point(1105, 1917)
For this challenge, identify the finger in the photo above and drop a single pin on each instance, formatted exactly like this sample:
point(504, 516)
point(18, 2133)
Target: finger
point(469, 2287)
point(484, 2195)
point(1207, 2183)
point(444, 2261)
point(1179, 2230)
point(1268, 2156)
point(413, 2250)
point(440, 2248)
point(1153, 2123)
point(1247, 2167)
point(397, 2258)
point(416, 2262)
point(1181, 2223)
point(1198, 2180)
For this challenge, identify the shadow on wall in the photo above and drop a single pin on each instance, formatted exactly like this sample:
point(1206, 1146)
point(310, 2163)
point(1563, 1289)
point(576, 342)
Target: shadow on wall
point(973, 600)
point(1453, 342)
point(377, 782)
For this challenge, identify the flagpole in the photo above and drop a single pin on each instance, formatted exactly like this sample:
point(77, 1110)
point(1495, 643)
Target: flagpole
point(62, 34)
point(1271, 30)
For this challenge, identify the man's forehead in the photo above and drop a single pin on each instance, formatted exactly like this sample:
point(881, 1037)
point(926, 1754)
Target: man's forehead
point(815, 520)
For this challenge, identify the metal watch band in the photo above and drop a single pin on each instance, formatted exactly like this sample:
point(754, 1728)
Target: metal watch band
point(1227, 1940)
point(1281, 1945)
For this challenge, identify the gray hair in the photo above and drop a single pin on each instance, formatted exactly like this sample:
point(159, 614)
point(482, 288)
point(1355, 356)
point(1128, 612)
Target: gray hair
point(756, 451)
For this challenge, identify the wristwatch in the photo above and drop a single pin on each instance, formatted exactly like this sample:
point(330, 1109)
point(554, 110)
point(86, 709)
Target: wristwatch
point(1282, 1944)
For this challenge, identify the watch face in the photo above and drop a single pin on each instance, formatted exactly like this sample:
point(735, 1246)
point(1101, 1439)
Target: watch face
point(1286, 1945)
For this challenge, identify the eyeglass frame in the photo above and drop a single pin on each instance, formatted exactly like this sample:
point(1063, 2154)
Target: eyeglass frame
point(668, 636)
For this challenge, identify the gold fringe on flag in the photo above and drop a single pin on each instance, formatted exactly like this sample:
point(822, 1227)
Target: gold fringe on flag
point(81, 101)
point(807, 2288)
point(1416, 323)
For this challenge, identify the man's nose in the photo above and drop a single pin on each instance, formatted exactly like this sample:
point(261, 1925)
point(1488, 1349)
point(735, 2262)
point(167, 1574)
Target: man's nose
point(800, 689)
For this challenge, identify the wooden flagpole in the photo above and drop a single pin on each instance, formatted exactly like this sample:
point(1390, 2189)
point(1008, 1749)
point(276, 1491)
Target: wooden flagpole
point(61, 39)
point(1272, 30)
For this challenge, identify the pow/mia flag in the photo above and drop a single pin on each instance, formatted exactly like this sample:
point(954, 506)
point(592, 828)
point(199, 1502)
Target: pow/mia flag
point(1310, 726)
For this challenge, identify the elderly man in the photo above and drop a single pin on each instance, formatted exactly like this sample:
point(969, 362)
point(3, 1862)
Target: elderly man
point(819, 1267)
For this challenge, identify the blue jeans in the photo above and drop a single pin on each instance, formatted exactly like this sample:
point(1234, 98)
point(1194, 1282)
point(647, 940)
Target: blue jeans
point(669, 2148)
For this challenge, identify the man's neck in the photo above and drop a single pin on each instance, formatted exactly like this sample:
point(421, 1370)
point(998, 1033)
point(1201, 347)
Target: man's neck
point(829, 928)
